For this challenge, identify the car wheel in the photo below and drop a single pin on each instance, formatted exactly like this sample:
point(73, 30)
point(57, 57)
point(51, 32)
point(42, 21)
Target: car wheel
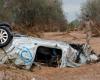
point(5, 36)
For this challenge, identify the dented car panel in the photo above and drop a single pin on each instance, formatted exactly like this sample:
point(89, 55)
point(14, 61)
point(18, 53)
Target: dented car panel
point(22, 51)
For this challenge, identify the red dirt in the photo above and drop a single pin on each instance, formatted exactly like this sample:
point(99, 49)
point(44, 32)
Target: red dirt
point(85, 72)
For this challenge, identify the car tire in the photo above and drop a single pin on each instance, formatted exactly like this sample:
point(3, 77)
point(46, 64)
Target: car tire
point(6, 25)
point(5, 35)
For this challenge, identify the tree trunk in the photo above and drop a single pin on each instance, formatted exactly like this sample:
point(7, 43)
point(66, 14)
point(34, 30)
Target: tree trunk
point(88, 26)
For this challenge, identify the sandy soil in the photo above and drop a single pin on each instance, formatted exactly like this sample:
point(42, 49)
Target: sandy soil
point(85, 72)
point(74, 37)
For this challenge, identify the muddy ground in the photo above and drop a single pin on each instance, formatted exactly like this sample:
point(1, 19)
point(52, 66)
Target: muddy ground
point(85, 72)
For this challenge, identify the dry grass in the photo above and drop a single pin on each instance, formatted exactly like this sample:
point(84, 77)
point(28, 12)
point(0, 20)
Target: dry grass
point(28, 31)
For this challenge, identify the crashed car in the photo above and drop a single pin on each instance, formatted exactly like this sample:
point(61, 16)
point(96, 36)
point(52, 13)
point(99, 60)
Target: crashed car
point(24, 51)
point(5, 35)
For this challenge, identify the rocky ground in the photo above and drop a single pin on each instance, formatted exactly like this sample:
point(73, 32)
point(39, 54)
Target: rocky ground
point(85, 72)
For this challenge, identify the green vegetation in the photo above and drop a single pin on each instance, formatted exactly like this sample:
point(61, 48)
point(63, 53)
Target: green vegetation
point(39, 15)
point(75, 23)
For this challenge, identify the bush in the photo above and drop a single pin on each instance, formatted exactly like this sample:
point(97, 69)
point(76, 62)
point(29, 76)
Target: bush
point(39, 15)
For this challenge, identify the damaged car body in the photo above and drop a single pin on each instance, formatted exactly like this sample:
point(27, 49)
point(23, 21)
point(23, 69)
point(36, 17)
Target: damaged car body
point(24, 51)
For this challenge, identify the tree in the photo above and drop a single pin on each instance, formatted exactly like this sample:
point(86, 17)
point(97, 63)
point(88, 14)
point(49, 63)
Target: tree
point(75, 23)
point(92, 9)
point(44, 15)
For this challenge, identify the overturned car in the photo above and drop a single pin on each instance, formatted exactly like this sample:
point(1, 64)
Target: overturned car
point(24, 51)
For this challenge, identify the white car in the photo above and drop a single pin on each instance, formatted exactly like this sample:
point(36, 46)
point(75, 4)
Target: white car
point(24, 51)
